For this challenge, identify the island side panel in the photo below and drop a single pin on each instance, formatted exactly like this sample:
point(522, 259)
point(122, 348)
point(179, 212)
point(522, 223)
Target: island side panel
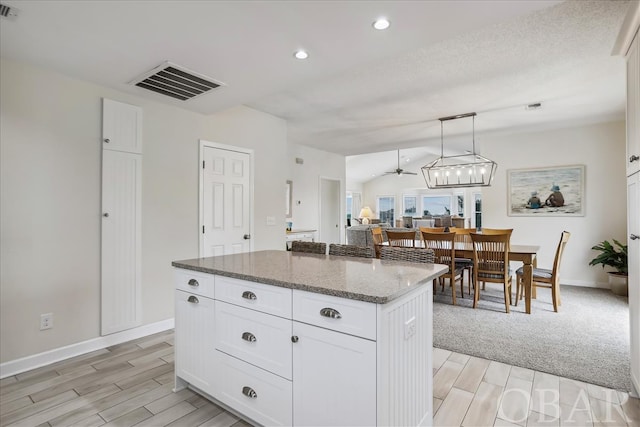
point(405, 352)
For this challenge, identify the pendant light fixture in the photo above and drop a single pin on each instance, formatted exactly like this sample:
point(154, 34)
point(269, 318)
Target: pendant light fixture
point(465, 170)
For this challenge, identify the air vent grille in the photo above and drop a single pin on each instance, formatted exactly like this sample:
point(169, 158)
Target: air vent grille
point(8, 11)
point(177, 82)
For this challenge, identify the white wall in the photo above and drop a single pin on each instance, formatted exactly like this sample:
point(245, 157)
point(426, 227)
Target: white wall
point(306, 184)
point(601, 148)
point(50, 154)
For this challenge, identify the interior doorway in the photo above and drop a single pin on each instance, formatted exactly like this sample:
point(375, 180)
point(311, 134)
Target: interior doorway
point(226, 188)
point(330, 211)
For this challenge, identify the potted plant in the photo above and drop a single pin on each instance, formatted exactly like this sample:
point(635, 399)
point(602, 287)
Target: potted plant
point(613, 255)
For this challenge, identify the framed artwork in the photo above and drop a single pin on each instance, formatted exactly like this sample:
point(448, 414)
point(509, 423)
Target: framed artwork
point(556, 191)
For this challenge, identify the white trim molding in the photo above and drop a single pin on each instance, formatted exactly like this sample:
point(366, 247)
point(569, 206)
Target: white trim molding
point(34, 361)
point(629, 29)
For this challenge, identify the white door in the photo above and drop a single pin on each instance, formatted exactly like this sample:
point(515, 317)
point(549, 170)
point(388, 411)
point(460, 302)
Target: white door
point(336, 369)
point(225, 201)
point(330, 213)
point(121, 241)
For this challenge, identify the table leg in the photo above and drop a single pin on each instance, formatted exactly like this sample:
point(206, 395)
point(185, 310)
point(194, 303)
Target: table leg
point(528, 280)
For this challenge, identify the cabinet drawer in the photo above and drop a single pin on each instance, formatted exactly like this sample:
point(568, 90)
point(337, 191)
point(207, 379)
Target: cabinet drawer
point(258, 338)
point(265, 298)
point(194, 282)
point(343, 315)
point(264, 397)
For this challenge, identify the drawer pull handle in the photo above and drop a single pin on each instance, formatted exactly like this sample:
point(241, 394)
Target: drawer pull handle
point(249, 295)
point(294, 339)
point(193, 299)
point(193, 282)
point(248, 336)
point(249, 392)
point(330, 312)
point(633, 158)
point(634, 237)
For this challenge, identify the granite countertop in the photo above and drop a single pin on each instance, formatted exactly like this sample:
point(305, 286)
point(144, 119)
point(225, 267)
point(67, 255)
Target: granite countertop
point(364, 279)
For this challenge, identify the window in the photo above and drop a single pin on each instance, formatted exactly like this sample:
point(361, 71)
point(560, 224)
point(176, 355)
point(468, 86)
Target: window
point(478, 209)
point(436, 205)
point(385, 206)
point(410, 206)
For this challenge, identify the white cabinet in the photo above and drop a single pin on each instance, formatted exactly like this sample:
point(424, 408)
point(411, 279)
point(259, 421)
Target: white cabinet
point(334, 378)
point(121, 127)
point(121, 227)
point(279, 356)
point(195, 354)
point(633, 107)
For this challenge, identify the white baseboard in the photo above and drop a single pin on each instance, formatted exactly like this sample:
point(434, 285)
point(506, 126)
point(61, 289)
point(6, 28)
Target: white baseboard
point(27, 363)
point(585, 284)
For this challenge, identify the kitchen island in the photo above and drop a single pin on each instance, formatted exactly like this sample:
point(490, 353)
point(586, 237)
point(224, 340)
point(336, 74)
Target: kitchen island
point(284, 338)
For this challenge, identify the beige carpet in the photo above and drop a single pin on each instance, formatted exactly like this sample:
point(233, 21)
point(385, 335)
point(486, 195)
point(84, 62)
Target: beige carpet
point(588, 340)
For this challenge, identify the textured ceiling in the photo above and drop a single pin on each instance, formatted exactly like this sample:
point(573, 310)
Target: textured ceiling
point(559, 56)
point(361, 91)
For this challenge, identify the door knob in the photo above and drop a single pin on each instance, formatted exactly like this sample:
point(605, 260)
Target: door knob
point(633, 158)
point(107, 140)
point(634, 237)
point(106, 214)
point(246, 236)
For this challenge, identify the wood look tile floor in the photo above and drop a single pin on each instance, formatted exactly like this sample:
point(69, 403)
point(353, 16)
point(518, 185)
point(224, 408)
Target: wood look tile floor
point(131, 384)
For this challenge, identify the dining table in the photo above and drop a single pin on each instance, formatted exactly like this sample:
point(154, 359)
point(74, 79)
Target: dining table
point(527, 254)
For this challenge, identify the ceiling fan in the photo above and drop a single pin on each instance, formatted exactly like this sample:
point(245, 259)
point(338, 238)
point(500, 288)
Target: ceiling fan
point(399, 171)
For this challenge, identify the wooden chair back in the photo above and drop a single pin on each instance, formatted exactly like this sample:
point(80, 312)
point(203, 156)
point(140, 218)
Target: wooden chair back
point(564, 238)
point(403, 239)
point(493, 231)
point(491, 256)
point(394, 253)
point(443, 247)
point(431, 230)
point(376, 232)
point(309, 247)
point(463, 237)
point(491, 263)
point(351, 250)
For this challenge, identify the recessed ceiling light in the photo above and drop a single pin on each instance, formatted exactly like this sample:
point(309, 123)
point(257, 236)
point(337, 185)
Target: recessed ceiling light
point(301, 54)
point(381, 24)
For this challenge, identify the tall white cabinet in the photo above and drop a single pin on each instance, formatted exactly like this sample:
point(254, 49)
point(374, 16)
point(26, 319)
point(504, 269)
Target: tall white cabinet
point(121, 216)
point(628, 44)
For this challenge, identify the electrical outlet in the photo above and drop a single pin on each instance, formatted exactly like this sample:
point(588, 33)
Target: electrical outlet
point(409, 328)
point(46, 321)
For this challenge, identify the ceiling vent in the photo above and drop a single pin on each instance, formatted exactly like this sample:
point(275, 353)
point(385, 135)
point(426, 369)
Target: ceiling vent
point(177, 82)
point(8, 11)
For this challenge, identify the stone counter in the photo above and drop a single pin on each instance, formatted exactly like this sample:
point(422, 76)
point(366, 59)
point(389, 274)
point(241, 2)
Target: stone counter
point(363, 279)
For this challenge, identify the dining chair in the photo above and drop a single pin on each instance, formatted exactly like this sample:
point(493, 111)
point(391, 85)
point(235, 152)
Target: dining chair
point(443, 247)
point(378, 240)
point(404, 239)
point(351, 250)
point(491, 263)
point(545, 278)
point(431, 230)
point(494, 231)
point(395, 253)
point(463, 241)
point(309, 247)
